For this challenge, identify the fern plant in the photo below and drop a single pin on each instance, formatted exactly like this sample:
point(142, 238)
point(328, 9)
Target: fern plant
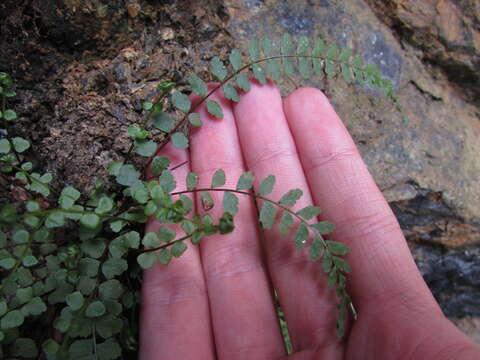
point(74, 260)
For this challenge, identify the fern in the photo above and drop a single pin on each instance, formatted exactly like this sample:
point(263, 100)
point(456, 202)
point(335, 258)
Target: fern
point(82, 273)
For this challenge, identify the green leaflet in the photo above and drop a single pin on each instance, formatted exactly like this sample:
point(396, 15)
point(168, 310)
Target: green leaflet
point(198, 85)
point(137, 132)
point(95, 309)
point(214, 109)
point(304, 67)
point(301, 235)
point(245, 182)
point(21, 237)
point(75, 300)
point(236, 59)
point(68, 196)
point(346, 73)
point(218, 69)
point(345, 55)
point(179, 140)
point(266, 186)
point(329, 68)
point(34, 307)
point(167, 181)
point(273, 70)
point(110, 290)
point(286, 222)
point(288, 67)
point(188, 226)
point(151, 240)
point(315, 251)
point(207, 201)
point(319, 48)
point(332, 52)
point(55, 219)
point(253, 50)
point(20, 144)
point(90, 221)
point(147, 105)
point(145, 148)
point(166, 234)
point(341, 264)
point(267, 215)
point(259, 73)
point(5, 146)
point(337, 248)
point(192, 180)
point(327, 263)
point(114, 168)
point(11, 320)
point(105, 204)
point(324, 227)
point(195, 120)
point(32, 221)
point(24, 295)
point(287, 44)
point(109, 350)
point(88, 267)
point(218, 178)
point(309, 212)
point(29, 260)
point(178, 249)
point(3, 307)
point(267, 47)
point(94, 247)
point(230, 92)
point(243, 82)
point(127, 175)
point(225, 225)
point(340, 325)
point(181, 101)
point(164, 256)
point(286, 48)
point(146, 260)
point(28, 166)
point(108, 326)
point(291, 197)
point(303, 62)
point(9, 115)
point(230, 203)
point(50, 347)
point(163, 122)
point(114, 267)
point(159, 163)
point(357, 61)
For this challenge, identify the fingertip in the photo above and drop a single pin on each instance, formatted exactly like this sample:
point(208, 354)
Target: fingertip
point(308, 100)
point(259, 93)
point(307, 93)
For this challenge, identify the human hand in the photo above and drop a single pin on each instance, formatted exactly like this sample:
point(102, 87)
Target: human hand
point(216, 301)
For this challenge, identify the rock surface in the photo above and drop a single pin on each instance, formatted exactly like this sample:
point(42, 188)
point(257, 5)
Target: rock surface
point(83, 68)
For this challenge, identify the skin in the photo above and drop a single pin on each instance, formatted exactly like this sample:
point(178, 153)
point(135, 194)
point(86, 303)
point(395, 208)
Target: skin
point(215, 302)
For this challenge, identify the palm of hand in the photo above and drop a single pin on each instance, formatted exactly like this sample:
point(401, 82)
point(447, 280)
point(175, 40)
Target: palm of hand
point(216, 301)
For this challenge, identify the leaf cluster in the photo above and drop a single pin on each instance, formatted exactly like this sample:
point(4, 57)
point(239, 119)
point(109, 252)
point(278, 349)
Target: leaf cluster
point(74, 260)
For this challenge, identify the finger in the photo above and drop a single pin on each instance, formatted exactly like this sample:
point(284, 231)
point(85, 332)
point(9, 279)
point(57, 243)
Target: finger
point(268, 148)
point(175, 319)
point(383, 269)
point(243, 313)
